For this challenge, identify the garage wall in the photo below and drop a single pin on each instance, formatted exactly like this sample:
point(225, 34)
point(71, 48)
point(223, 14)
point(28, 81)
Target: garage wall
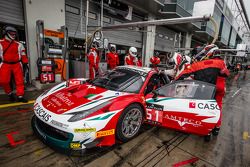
point(76, 25)
point(164, 39)
point(53, 15)
point(11, 12)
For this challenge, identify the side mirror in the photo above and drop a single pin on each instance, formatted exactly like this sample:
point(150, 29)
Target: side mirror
point(156, 93)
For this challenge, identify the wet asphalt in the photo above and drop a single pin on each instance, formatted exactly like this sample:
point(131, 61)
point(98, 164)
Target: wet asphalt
point(153, 147)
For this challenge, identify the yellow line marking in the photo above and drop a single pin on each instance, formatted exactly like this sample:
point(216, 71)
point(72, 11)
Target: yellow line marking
point(245, 135)
point(16, 104)
point(38, 152)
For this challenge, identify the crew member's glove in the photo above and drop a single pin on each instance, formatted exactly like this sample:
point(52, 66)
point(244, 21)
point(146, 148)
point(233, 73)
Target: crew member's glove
point(25, 67)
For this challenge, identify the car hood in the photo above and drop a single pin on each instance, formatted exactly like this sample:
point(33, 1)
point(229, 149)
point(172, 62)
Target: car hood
point(77, 98)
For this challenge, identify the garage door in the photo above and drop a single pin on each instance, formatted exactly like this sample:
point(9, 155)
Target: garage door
point(164, 39)
point(125, 37)
point(11, 12)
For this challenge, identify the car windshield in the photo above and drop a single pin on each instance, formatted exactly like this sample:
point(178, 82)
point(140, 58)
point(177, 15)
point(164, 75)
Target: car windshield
point(188, 89)
point(118, 80)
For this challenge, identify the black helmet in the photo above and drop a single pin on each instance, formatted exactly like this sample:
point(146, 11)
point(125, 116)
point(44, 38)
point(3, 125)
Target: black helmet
point(95, 44)
point(157, 54)
point(112, 48)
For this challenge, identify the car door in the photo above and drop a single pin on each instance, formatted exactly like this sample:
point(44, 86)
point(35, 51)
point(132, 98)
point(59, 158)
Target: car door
point(184, 105)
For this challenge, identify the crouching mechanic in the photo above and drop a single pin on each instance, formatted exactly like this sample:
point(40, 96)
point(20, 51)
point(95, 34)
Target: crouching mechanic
point(210, 68)
point(180, 63)
point(14, 59)
point(94, 60)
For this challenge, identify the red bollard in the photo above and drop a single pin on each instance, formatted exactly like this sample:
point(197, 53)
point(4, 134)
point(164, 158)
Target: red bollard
point(12, 142)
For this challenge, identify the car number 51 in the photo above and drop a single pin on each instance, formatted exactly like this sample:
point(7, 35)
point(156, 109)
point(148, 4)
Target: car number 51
point(154, 115)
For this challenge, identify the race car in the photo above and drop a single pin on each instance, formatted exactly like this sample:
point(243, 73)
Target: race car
point(82, 113)
point(187, 106)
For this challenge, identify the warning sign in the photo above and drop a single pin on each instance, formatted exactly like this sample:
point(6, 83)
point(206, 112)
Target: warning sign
point(52, 33)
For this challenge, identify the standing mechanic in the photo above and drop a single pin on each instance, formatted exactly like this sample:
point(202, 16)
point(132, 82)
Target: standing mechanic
point(94, 60)
point(131, 58)
point(14, 59)
point(155, 60)
point(112, 58)
point(212, 69)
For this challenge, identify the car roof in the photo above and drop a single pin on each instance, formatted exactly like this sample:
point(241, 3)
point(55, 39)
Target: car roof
point(136, 68)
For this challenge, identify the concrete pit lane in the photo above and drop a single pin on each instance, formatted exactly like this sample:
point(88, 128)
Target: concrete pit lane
point(154, 147)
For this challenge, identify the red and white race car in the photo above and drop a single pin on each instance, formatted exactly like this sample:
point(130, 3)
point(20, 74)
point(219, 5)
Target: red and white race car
point(80, 114)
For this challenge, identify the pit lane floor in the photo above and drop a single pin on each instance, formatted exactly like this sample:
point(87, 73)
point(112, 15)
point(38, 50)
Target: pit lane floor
point(153, 147)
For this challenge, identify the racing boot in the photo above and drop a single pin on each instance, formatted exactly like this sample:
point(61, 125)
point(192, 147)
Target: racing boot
point(215, 131)
point(21, 99)
point(12, 97)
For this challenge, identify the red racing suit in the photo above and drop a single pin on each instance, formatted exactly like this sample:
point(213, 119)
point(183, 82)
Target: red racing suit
point(130, 60)
point(112, 60)
point(220, 93)
point(94, 60)
point(139, 63)
point(212, 71)
point(155, 60)
point(13, 55)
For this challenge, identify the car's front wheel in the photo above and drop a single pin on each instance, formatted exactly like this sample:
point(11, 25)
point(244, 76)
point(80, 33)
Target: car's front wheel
point(129, 122)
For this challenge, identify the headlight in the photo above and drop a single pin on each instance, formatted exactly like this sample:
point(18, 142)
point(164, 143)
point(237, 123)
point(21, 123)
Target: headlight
point(82, 114)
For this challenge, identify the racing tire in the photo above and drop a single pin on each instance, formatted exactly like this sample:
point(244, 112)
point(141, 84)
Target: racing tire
point(129, 123)
point(208, 138)
point(215, 131)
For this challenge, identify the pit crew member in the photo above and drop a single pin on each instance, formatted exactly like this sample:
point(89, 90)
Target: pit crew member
point(94, 60)
point(112, 58)
point(209, 67)
point(14, 59)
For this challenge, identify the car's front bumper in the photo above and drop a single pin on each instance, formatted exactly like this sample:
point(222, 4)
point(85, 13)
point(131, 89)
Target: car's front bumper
point(52, 136)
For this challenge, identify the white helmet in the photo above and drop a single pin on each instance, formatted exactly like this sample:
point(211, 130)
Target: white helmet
point(176, 59)
point(133, 51)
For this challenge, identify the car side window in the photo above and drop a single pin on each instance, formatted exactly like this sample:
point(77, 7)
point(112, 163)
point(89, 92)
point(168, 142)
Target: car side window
point(153, 84)
point(188, 89)
point(135, 87)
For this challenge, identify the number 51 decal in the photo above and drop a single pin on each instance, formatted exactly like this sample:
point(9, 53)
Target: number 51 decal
point(154, 115)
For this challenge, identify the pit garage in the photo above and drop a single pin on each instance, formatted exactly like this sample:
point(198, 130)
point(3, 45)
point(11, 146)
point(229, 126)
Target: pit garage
point(130, 116)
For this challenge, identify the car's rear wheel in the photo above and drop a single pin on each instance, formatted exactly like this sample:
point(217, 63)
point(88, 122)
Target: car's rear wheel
point(129, 123)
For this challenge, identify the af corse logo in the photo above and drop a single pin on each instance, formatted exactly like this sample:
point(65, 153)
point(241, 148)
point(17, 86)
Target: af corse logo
point(192, 105)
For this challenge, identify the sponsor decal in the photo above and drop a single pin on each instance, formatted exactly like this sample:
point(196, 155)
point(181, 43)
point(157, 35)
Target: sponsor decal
point(154, 106)
point(64, 98)
point(41, 113)
point(59, 124)
point(84, 130)
point(182, 120)
point(91, 87)
point(192, 104)
point(75, 145)
point(210, 106)
point(105, 133)
point(53, 99)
